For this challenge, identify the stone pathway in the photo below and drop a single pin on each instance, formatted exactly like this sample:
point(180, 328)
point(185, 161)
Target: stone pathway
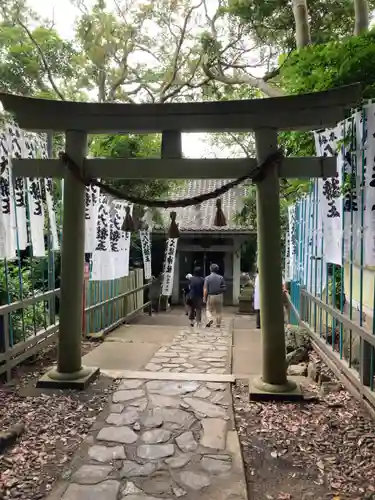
point(207, 350)
point(166, 439)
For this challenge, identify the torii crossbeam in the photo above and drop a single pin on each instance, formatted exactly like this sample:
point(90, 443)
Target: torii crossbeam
point(263, 116)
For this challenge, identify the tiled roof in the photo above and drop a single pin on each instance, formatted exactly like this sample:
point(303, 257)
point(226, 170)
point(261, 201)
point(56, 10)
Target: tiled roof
point(192, 219)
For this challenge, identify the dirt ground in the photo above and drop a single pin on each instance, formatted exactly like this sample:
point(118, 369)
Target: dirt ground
point(323, 449)
point(55, 422)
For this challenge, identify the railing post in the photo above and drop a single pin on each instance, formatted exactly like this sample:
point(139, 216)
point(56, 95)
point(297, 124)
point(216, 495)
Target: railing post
point(366, 361)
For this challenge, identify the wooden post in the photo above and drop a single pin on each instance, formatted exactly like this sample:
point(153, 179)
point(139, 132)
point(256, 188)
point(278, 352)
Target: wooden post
point(69, 372)
point(273, 379)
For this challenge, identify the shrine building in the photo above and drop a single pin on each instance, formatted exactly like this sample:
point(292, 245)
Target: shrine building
point(201, 243)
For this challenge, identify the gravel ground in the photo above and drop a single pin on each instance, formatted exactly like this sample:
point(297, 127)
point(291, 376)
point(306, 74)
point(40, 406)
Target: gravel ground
point(55, 423)
point(317, 450)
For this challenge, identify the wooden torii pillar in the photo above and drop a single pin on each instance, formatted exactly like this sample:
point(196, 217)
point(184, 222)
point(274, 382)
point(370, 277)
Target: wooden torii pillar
point(263, 116)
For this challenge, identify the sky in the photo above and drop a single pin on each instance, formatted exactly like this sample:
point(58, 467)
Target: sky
point(64, 13)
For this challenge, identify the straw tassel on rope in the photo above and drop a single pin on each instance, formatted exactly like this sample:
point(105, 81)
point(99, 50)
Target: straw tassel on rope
point(173, 231)
point(128, 224)
point(219, 220)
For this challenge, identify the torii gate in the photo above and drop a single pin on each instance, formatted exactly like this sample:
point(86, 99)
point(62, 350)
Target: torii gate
point(263, 116)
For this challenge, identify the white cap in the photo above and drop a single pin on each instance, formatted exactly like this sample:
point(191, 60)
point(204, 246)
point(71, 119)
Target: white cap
point(189, 276)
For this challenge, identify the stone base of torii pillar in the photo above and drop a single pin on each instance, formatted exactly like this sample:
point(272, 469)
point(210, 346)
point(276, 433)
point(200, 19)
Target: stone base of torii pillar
point(273, 383)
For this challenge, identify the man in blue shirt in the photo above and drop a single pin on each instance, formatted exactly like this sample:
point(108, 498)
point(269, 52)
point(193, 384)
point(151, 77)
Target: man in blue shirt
point(214, 288)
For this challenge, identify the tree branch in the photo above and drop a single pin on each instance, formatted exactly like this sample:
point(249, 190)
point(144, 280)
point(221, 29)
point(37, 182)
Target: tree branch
point(218, 72)
point(168, 85)
point(258, 83)
point(44, 60)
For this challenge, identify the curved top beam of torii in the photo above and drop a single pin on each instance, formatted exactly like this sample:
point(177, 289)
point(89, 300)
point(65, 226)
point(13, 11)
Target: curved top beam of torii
point(296, 112)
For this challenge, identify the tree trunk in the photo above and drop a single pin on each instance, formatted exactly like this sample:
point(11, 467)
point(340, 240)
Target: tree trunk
point(302, 23)
point(361, 16)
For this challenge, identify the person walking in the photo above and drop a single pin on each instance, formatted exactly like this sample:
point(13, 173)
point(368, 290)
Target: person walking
point(196, 296)
point(214, 288)
point(185, 292)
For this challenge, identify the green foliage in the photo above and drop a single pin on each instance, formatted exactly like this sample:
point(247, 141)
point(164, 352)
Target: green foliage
point(21, 69)
point(271, 22)
point(133, 146)
point(322, 67)
point(17, 284)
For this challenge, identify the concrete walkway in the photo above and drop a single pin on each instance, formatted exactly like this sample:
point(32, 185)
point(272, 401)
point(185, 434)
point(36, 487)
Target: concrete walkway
point(164, 438)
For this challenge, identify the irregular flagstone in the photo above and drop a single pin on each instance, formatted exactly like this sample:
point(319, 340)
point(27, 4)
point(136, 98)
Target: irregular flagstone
point(152, 367)
point(91, 474)
point(206, 408)
point(160, 360)
point(158, 483)
point(152, 420)
point(159, 401)
point(127, 418)
point(123, 435)
point(127, 395)
point(178, 429)
point(194, 480)
point(133, 469)
point(143, 497)
point(219, 398)
point(107, 490)
point(141, 404)
point(155, 451)
point(116, 408)
point(156, 436)
point(181, 418)
point(216, 370)
point(131, 489)
point(178, 492)
point(178, 462)
point(165, 354)
point(106, 453)
point(214, 466)
point(171, 388)
point(216, 386)
point(214, 355)
point(130, 384)
point(214, 433)
point(186, 442)
point(225, 458)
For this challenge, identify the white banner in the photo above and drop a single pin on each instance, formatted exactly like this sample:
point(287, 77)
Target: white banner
point(112, 251)
point(17, 150)
point(330, 197)
point(287, 275)
point(7, 215)
point(102, 258)
point(145, 237)
point(92, 194)
point(51, 207)
point(120, 241)
point(168, 270)
point(316, 277)
point(33, 149)
point(352, 202)
point(125, 241)
point(369, 213)
point(36, 216)
point(292, 240)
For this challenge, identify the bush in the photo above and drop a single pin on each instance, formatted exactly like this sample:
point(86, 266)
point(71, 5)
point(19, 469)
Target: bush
point(326, 66)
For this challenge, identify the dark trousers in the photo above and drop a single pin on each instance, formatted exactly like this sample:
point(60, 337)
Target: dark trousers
point(258, 318)
point(195, 305)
